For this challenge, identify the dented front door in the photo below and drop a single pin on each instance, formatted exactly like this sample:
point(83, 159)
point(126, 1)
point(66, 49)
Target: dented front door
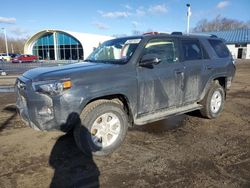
point(160, 86)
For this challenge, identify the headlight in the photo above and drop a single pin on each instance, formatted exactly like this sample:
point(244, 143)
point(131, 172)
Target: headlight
point(52, 87)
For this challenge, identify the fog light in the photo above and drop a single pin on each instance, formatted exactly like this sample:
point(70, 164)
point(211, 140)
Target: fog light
point(45, 111)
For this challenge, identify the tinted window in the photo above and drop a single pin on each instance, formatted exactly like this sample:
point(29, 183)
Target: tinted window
point(191, 50)
point(219, 48)
point(164, 49)
point(204, 53)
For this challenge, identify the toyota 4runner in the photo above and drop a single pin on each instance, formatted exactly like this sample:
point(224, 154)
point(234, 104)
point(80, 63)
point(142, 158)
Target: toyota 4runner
point(124, 82)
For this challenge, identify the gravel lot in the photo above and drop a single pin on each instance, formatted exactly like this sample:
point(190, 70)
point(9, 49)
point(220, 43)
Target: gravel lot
point(184, 151)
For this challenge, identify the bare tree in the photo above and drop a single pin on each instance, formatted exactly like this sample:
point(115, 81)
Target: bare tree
point(220, 23)
point(16, 44)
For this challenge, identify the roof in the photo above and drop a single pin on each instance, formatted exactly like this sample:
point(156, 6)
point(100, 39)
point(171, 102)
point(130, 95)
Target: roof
point(179, 35)
point(233, 36)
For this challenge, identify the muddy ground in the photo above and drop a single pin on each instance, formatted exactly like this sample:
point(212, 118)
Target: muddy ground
point(185, 151)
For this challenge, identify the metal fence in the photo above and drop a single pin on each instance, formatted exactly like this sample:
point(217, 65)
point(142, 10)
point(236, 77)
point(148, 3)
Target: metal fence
point(19, 68)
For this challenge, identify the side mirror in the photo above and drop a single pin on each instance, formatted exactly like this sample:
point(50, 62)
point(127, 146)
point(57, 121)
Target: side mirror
point(149, 60)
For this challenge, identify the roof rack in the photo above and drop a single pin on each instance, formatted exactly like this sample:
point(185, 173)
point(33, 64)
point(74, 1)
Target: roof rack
point(199, 34)
point(213, 36)
point(156, 33)
point(151, 33)
point(204, 34)
point(176, 33)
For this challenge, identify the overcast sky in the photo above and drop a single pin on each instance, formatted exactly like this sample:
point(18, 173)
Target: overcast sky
point(108, 17)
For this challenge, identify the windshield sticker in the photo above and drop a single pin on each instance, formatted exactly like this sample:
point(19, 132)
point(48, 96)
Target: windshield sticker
point(133, 41)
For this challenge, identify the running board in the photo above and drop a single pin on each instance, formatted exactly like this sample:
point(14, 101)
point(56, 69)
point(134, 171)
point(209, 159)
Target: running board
point(165, 113)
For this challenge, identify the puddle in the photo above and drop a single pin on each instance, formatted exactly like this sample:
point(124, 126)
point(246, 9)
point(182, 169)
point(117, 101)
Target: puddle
point(163, 125)
point(7, 89)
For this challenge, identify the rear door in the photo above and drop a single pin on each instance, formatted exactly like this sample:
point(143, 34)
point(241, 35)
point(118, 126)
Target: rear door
point(160, 86)
point(220, 61)
point(194, 58)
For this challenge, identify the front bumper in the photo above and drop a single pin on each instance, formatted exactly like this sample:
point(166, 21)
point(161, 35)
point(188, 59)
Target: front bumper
point(35, 112)
point(41, 111)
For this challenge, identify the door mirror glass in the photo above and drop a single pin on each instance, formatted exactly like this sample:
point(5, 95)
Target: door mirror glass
point(149, 59)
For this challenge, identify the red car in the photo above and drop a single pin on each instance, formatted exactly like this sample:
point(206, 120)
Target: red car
point(24, 58)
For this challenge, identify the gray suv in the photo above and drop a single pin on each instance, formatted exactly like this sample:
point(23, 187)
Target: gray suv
point(124, 82)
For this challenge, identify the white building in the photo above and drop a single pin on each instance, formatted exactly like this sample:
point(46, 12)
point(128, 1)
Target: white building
point(54, 44)
point(237, 41)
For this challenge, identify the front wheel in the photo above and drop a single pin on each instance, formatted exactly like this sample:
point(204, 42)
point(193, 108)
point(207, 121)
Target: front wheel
point(213, 102)
point(103, 128)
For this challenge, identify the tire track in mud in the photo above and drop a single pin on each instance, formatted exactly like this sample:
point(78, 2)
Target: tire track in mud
point(8, 116)
point(28, 165)
point(151, 147)
point(151, 155)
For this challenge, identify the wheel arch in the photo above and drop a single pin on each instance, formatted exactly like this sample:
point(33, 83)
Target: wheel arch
point(222, 79)
point(118, 98)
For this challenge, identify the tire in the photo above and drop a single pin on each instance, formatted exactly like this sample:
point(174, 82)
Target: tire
point(213, 102)
point(96, 134)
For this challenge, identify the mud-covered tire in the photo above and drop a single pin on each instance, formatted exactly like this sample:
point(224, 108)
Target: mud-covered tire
point(213, 102)
point(85, 135)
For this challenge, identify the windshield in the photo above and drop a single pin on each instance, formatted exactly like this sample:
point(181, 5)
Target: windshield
point(115, 51)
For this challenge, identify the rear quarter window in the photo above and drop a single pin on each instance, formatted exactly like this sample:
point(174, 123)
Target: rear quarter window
point(219, 48)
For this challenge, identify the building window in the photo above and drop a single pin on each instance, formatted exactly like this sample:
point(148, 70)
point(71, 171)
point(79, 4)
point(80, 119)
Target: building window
point(241, 45)
point(67, 47)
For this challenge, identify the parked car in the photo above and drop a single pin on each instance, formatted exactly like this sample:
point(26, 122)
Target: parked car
point(124, 82)
point(5, 57)
point(25, 59)
point(13, 55)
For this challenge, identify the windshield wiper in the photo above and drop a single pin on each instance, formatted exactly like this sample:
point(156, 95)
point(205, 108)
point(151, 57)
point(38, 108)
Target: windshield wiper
point(108, 61)
point(89, 60)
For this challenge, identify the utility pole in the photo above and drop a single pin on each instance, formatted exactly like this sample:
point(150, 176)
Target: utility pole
point(6, 42)
point(188, 16)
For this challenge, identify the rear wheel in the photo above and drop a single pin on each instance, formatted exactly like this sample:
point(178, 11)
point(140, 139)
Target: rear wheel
point(103, 128)
point(213, 102)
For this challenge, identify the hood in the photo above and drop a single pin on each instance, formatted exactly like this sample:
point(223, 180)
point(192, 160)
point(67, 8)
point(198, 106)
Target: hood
point(47, 73)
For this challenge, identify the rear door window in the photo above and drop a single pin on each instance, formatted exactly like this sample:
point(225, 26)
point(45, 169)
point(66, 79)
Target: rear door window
point(191, 50)
point(219, 48)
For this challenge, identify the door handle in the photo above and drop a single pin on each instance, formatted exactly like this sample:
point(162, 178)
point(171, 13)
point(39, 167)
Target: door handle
point(179, 71)
point(209, 67)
